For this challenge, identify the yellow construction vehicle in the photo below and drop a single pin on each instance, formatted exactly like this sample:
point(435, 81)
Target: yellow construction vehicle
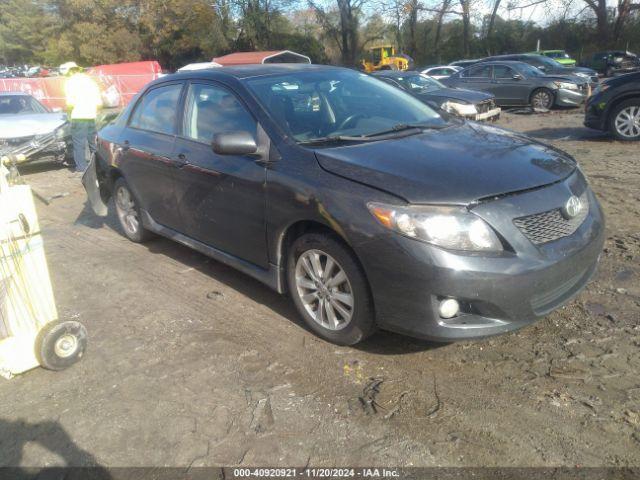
point(384, 58)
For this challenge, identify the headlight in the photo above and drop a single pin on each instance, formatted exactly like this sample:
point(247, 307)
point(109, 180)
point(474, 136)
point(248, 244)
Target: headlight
point(566, 85)
point(448, 227)
point(62, 131)
point(459, 108)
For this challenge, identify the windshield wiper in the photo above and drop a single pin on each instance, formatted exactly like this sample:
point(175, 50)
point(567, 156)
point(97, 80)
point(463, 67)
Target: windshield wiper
point(401, 127)
point(371, 137)
point(335, 139)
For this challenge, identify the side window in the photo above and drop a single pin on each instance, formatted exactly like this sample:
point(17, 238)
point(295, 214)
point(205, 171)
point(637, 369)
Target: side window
point(503, 72)
point(157, 110)
point(481, 71)
point(211, 109)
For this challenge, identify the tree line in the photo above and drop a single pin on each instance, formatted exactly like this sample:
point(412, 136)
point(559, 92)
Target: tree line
point(176, 32)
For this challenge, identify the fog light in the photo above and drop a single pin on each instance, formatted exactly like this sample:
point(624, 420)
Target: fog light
point(449, 308)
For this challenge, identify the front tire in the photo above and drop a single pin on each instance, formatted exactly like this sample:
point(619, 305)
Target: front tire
point(128, 212)
point(329, 289)
point(542, 100)
point(624, 121)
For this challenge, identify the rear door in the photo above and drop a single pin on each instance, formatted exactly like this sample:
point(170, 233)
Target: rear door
point(510, 87)
point(477, 77)
point(146, 145)
point(221, 197)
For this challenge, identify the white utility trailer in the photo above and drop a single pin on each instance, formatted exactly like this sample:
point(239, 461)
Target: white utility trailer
point(30, 332)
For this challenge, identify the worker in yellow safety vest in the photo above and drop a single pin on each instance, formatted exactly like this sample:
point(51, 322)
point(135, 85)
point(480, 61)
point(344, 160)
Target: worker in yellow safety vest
point(83, 101)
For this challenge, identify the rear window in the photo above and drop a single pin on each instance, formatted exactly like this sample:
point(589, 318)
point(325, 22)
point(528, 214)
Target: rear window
point(481, 71)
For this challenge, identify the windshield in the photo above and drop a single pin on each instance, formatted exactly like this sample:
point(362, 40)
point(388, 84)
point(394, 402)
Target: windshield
point(421, 83)
point(20, 105)
point(530, 71)
point(338, 102)
point(548, 62)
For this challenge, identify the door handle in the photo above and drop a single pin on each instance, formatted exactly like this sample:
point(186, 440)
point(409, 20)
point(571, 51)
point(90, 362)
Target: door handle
point(181, 160)
point(124, 146)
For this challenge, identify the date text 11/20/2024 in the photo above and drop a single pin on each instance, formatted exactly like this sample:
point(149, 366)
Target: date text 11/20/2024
point(315, 473)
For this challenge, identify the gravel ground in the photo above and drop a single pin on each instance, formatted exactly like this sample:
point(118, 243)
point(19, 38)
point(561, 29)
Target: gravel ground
point(191, 363)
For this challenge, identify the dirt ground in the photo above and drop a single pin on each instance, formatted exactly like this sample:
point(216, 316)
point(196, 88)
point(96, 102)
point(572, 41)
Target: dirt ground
point(191, 363)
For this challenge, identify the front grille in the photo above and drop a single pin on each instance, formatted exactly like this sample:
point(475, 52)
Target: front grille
point(551, 225)
point(485, 106)
point(629, 64)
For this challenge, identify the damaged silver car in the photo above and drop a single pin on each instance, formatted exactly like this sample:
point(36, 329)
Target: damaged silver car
point(32, 131)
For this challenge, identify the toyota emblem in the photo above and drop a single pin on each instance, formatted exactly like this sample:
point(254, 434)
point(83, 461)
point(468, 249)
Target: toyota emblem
point(572, 207)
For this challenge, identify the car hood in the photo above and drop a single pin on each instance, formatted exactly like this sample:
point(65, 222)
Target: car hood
point(456, 165)
point(588, 71)
point(15, 126)
point(444, 94)
point(566, 78)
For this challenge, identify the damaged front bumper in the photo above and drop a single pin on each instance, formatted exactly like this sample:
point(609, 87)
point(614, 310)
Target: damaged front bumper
point(50, 146)
point(492, 115)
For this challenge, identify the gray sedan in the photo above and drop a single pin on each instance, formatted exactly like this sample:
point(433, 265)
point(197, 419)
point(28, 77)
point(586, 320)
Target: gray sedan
point(518, 83)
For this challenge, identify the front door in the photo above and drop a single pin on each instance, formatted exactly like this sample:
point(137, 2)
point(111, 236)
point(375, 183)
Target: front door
point(221, 197)
point(509, 87)
point(146, 145)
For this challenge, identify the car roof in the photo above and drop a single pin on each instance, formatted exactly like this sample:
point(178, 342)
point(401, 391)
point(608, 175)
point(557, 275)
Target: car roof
point(248, 71)
point(511, 55)
point(20, 94)
point(498, 62)
point(431, 67)
point(395, 73)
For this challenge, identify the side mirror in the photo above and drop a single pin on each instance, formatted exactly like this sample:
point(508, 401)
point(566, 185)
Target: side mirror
point(234, 143)
point(517, 76)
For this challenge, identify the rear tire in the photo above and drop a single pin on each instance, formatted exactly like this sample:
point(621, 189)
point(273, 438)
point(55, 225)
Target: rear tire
point(329, 289)
point(129, 213)
point(541, 100)
point(624, 121)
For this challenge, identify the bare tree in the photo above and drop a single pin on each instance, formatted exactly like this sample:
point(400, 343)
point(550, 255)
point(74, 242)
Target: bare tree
point(464, 13)
point(466, 26)
point(345, 30)
point(492, 21)
point(444, 7)
point(413, 8)
point(625, 7)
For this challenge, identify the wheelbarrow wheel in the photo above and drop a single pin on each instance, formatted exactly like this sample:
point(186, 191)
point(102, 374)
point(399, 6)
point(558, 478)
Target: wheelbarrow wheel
point(60, 344)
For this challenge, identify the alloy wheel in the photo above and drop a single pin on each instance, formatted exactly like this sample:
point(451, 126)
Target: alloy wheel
point(627, 122)
point(324, 289)
point(541, 100)
point(127, 212)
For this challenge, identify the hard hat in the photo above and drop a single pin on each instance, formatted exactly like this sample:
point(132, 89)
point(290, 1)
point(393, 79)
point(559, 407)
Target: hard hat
point(68, 66)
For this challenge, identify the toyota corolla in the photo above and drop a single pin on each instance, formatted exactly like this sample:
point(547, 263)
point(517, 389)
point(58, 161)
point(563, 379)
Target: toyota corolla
point(371, 209)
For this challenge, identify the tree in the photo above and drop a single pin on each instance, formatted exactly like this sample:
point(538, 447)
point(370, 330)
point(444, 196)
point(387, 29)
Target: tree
point(25, 27)
point(342, 26)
